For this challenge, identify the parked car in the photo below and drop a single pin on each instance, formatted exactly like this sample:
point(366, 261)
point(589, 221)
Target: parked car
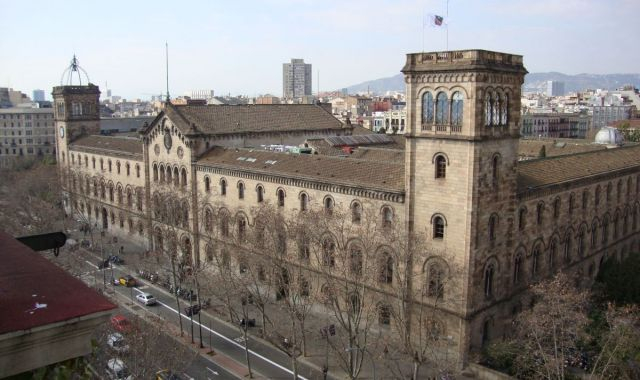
point(103, 264)
point(116, 370)
point(251, 322)
point(117, 343)
point(127, 281)
point(121, 323)
point(116, 259)
point(192, 310)
point(146, 298)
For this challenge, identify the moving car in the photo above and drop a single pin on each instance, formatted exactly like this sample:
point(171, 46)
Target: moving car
point(166, 374)
point(146, 298)
point(117, 343)
point(116, 370)
point(121, 323)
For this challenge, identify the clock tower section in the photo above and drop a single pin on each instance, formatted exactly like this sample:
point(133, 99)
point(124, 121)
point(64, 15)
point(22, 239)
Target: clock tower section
point(76, 114)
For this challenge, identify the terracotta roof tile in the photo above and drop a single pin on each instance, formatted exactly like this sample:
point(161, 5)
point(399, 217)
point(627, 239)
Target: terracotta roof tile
point(556, 147)
point(221, 119)
point(110, 144)
point(385, 176)
point(556, 170)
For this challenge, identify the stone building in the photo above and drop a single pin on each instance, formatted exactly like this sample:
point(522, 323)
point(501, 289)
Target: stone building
point(500, 223)
point(26, 132)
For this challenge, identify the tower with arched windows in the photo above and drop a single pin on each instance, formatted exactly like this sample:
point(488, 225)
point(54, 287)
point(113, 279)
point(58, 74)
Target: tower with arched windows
point(463, 111)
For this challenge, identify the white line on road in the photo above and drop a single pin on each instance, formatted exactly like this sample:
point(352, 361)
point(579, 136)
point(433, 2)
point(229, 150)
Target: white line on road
point(287, 370)
point(212, 371)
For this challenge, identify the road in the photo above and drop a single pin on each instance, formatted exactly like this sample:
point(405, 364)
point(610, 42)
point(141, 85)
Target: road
point(269, 362)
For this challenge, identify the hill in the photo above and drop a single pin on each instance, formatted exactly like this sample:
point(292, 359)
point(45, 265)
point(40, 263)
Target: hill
point(532, 82)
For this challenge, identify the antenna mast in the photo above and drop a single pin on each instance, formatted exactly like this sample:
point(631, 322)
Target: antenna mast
point(166, 53)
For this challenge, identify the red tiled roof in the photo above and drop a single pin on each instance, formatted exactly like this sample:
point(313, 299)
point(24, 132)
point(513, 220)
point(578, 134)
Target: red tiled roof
point(27, 280)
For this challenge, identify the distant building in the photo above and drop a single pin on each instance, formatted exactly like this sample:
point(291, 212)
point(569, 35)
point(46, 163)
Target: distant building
point(11, 98)
point(603, 116)
point(296, 79)
point(38, 95)
point(267, 99)
point(555, 88)
point(552, 124)
point(201, 94)
point(26, 132)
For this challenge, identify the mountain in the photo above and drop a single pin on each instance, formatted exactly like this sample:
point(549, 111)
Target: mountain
point(532, 82)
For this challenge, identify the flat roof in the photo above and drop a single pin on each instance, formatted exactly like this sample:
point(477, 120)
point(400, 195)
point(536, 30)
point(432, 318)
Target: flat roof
point(35, 292)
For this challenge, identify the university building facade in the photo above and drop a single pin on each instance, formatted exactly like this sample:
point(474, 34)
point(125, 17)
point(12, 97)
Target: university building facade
point(491, 224)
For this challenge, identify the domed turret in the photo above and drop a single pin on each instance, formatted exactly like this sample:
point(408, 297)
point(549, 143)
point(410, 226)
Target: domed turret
point(609, 136)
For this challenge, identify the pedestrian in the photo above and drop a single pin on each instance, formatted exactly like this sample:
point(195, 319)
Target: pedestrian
point(121, 249)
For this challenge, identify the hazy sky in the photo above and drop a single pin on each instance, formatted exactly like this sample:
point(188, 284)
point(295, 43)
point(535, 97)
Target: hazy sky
point(238, 47)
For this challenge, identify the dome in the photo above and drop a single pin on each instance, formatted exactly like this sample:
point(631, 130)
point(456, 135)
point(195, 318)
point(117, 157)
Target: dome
point(609, 136)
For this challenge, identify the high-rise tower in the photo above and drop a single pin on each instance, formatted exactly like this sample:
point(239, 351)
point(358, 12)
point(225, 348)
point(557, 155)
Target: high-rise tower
point(296, 79)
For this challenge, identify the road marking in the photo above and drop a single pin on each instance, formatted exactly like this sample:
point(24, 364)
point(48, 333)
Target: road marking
point(239, 339)
point(92, 264)
point(212, 371)
point(287, 370)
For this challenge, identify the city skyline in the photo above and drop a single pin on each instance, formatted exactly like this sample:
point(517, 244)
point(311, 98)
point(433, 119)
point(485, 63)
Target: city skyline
point(240, 48)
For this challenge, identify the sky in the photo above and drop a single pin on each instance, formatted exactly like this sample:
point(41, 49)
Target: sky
point(238, 47)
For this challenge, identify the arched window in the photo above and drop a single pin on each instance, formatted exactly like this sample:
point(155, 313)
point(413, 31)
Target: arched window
point(110, 191)
point(435, 284)
point(495, 167)
point(93, 160)
point(535, 260)
point(493, 224)
point(438, 227)
point(240, 190)
point(224, 224)
point(208, 220)
point(609, 190)
point(585, 199)
point(605, 229)
point(441, 166)
point(553, 252)
point(387, 217)
point(128, 169)
point(581, 241)
point(427, 108)
point(328, 205)
point(495, 112)
point(572, 202)
point(522, 218)
point(304, 201)
point(384, 314)
point(594, 234)
point(556, 208)
point(242, 228)
point(137, 171)
point(488, 108)
point(328, 253)
point(504, 110)
point(568, 247)
point(119, 194)
point(176, 177)
point(356, 212)
point(303, 245)
point(118, 167)
point(280, 195)
point(355, 260)
point(489, 271)
point(109, 165)
point(101, 164)
point(457, 104)
point(207, 184)
point(155, 171)
point(183, 181)
point(597, 198)
point(442, 109)
point(539, 213)
point(169, 175)
point(129, 198)
point(223, 187)
point(161, 171)
point(517, 269)
point(385, 268)
point(260, 193)
point(86, 161)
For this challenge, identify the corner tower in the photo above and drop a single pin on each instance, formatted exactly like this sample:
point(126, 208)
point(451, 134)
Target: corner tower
point(76, 112)
point(463, 116)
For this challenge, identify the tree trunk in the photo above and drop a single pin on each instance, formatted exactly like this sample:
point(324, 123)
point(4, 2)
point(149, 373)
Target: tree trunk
point(246, 348)
point(416, 369)
point(175, 293)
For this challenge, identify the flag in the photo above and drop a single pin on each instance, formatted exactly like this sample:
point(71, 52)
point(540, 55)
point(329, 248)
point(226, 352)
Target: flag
point(437, 20)
point(433, 20)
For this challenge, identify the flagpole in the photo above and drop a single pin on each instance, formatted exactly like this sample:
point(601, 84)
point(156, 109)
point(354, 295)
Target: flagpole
point(423, 25)
point(447, 25)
